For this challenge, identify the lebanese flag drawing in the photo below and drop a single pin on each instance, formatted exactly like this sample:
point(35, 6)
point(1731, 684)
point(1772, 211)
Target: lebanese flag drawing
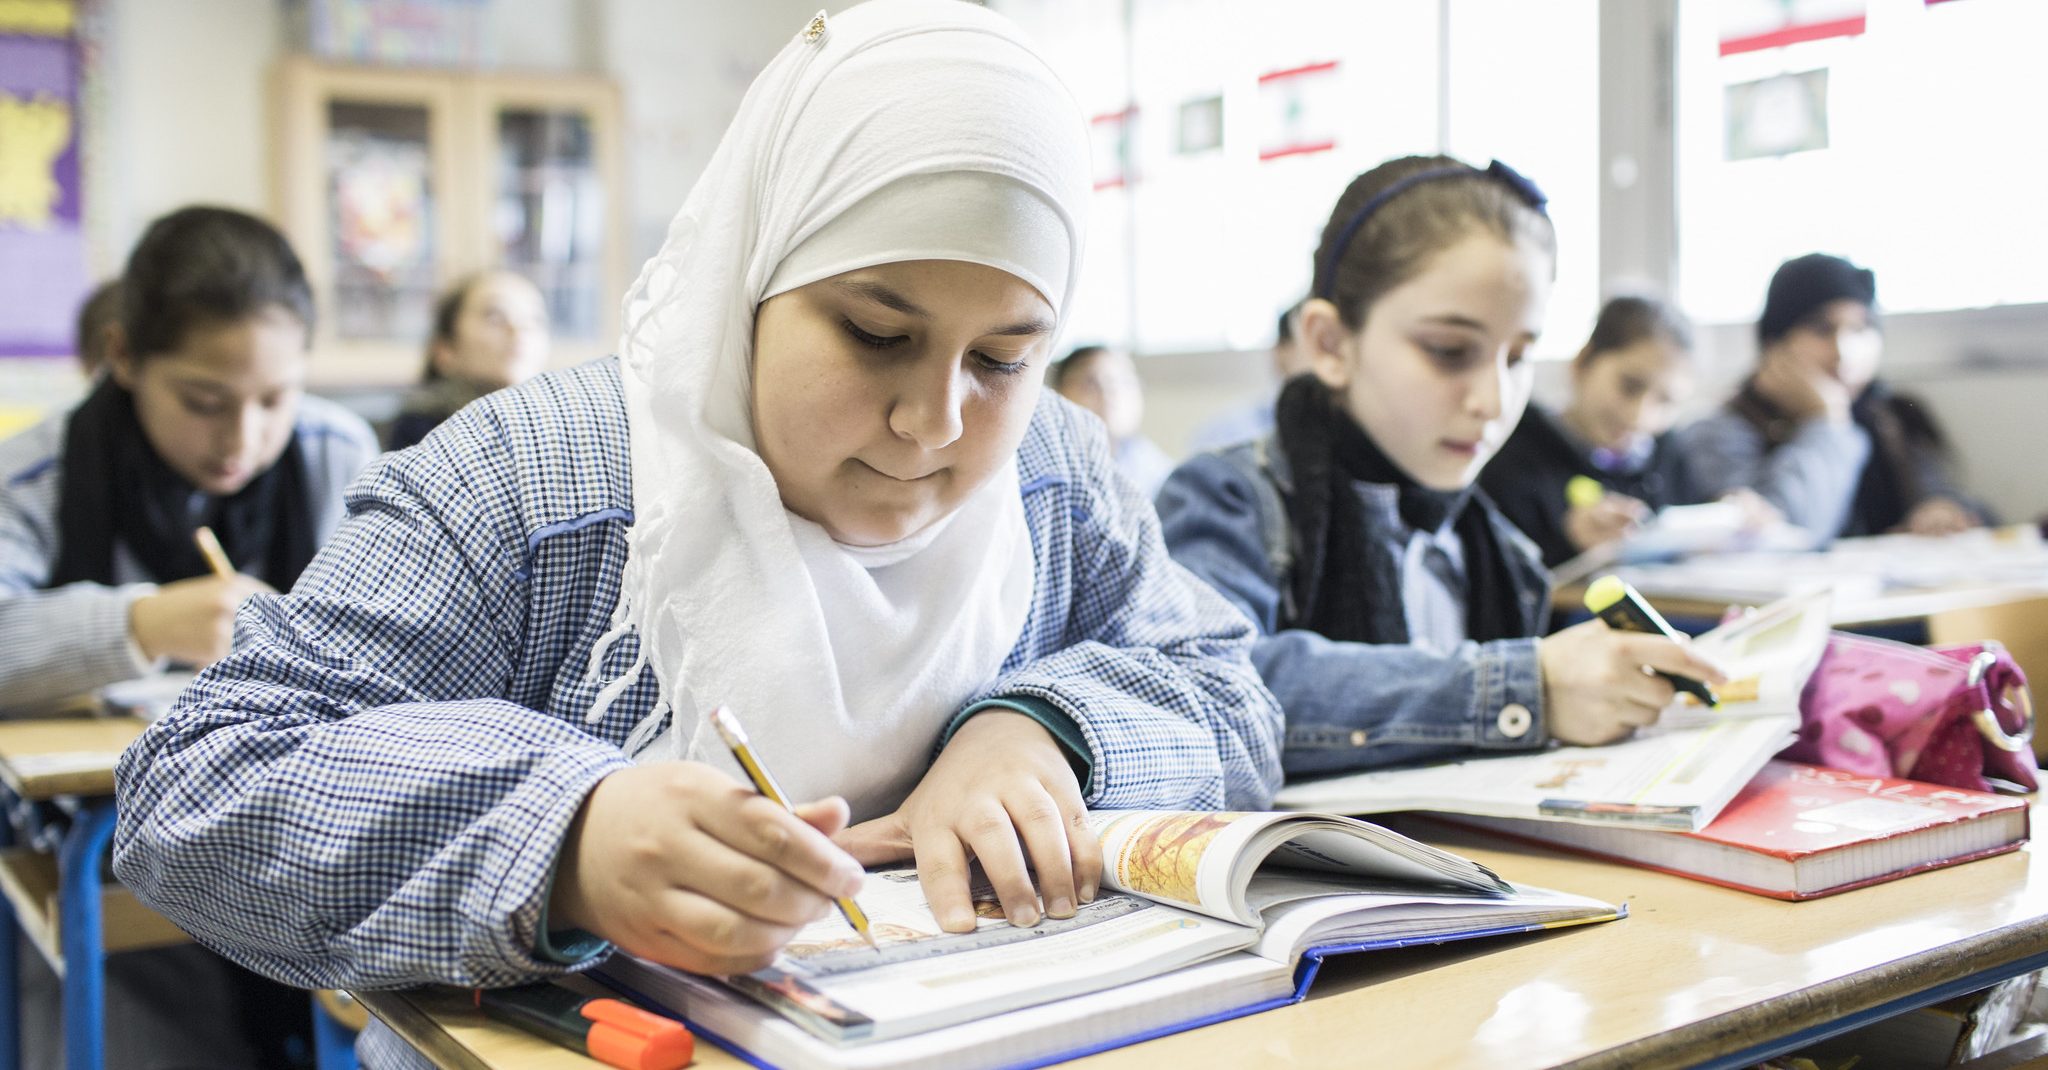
point(1754, 25)
point(1298, 110)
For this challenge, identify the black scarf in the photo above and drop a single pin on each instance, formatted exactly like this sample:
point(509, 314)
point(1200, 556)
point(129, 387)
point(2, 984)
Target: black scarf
point(116, 489)
point(1338, 572)
point(1889, 486)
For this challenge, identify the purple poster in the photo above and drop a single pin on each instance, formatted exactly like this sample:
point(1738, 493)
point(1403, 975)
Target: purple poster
point(42, 233)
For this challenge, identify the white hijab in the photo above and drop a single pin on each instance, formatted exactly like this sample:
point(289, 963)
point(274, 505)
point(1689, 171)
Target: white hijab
point(906, 130)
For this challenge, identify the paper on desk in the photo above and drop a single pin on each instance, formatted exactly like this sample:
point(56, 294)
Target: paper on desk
point(148, 697)
point(30, 766)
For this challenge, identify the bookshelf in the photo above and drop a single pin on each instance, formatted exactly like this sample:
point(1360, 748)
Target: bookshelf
point(393, 183)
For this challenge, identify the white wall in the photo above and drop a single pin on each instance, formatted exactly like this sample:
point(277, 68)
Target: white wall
point(183, 117)
point(683, 68)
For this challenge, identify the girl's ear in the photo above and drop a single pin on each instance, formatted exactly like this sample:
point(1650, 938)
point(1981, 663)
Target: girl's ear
point(1322, 332)
point(120, 362)
point(439, 354)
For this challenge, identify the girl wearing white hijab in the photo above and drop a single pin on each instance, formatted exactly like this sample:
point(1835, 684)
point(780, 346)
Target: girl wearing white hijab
point(821, 485)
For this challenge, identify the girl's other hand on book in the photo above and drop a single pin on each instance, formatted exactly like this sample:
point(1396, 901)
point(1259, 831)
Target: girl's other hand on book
point(679, 863)
point(1597, 686)
point(1001, 790)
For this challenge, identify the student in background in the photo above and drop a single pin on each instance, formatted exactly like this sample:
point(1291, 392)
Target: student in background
point(1103, 380)
point(1628, 384)
point(490, 332)
point(1398, 609)
point(1815, 432)
point(96, 319)
point(199, 419)
point(1255, 420)
point(823, 485)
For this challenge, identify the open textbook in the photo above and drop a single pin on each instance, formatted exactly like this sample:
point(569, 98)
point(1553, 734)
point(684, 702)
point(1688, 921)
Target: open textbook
point(1675, 774)
point(1202, 916)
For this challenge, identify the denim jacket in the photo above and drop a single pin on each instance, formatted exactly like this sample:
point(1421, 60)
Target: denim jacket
point(1353, 705)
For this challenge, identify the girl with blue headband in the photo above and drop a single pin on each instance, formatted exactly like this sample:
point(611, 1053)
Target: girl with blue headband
point(1398, 610)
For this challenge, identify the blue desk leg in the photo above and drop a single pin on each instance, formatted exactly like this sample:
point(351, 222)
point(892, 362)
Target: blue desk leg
point(334, 1044)
point(10, 972)
point(78, 916)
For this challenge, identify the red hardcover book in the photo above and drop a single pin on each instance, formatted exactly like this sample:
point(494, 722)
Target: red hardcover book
point(1802, 831)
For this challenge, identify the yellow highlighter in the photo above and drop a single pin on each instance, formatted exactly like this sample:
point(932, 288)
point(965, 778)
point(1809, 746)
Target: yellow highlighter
point(736, 740)
point(1611, 599)
point(1583, 491)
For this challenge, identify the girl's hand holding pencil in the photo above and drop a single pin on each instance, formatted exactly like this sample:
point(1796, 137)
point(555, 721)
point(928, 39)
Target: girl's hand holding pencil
point(193, 621)
point(681, 864)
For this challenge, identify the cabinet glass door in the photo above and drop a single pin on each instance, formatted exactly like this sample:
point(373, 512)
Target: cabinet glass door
point(381, 205)
point(548, 219)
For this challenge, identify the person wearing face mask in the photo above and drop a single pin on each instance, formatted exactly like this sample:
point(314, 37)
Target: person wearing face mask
point(490, 332)
point(1628, 383)
point(1105, 382)
point(1398, 611)
point(1815, 432)
point(198, 418)
point(821, 484)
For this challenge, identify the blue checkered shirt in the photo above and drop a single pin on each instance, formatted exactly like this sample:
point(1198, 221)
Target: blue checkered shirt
point(372, 789)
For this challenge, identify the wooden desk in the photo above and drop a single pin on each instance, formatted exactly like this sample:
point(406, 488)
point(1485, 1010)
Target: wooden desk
point(73, 919)
point(53, 891)
point(45, 758)
point(1696, 975)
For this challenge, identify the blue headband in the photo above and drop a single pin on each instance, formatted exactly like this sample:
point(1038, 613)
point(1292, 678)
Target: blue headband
point(1525, 190)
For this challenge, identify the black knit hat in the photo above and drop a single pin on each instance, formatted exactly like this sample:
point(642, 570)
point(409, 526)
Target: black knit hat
point(1804, 284)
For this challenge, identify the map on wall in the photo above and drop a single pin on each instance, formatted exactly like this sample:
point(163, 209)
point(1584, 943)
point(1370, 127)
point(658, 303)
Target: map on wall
point(42, 238)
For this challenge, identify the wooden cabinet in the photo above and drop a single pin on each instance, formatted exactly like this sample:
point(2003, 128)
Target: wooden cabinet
point(393, 183)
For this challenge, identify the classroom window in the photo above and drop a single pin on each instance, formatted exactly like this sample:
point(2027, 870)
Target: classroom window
point(1225, 129)
point(1904, 134)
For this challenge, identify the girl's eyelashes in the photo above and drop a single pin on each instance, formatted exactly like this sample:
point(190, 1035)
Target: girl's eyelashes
point(1450, 356)
point(876, 341)
point(872, 341)
point(1001, 367)
point(201, 406)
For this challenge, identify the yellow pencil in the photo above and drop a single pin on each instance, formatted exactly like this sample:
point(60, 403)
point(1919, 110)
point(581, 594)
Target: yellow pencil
point(736, 738)
point(216, 558)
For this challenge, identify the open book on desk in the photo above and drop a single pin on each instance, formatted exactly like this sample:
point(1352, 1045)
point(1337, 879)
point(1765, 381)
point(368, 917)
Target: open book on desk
point(1202, 916)
point(1675, 774)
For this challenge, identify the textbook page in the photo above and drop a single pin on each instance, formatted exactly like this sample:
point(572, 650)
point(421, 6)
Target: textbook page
point(1208, 861)
point(1675, 774)
point(1663, 778)
point(920, 977)
point(1767, 654)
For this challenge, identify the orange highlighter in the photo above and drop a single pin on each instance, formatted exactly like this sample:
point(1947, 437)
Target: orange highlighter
point(611, 1031)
